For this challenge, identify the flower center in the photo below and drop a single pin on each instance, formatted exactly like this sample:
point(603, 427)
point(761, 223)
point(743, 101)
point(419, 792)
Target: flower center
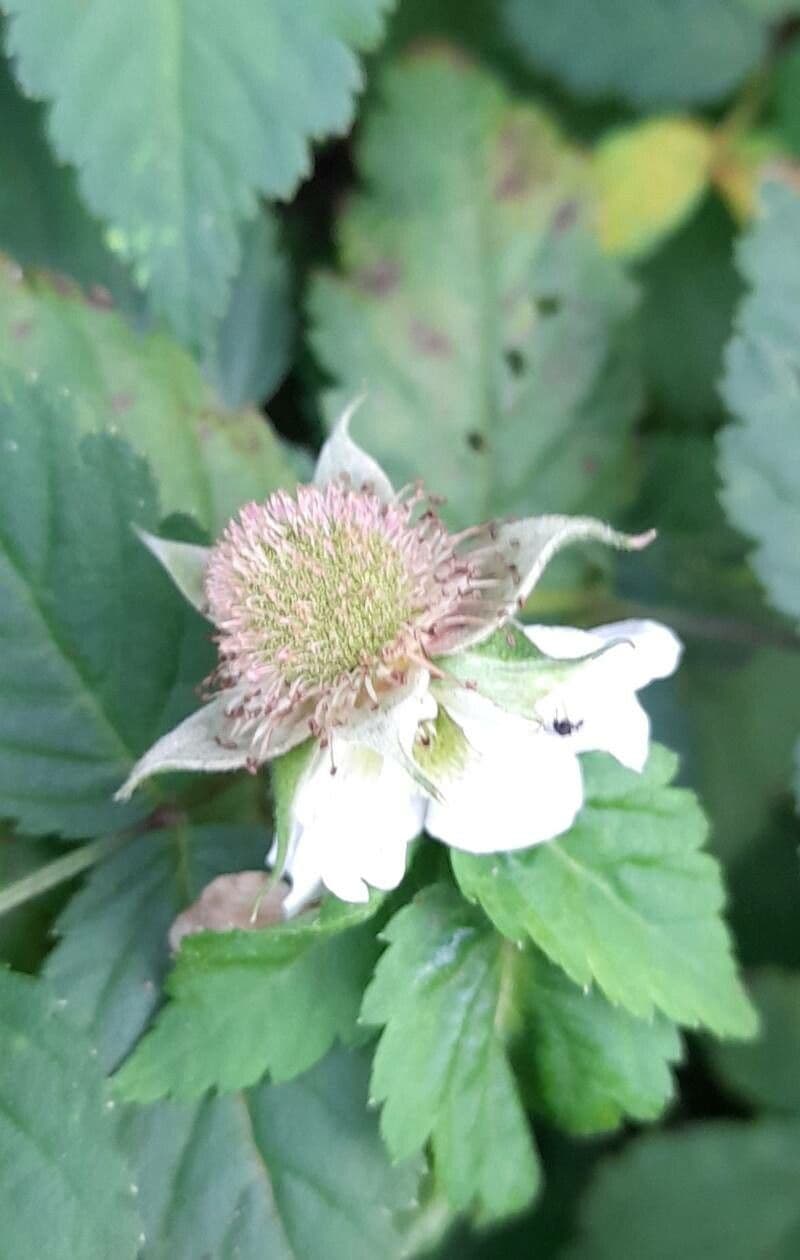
point(327, 598)
point(324, 600)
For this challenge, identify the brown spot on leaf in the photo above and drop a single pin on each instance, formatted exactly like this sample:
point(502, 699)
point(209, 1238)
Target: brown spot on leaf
point(379, 278)
point(100, 297)
point(21, 329)
point(515, 173)
point(565, 216)
point(122, 401)
point(430, 340)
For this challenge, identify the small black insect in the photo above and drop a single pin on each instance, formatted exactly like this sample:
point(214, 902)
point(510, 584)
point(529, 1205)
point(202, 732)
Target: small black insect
point(563, 726)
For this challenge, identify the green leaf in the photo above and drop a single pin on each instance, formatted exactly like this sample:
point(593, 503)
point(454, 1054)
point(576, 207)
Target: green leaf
point(690, 288)
point(493, 339)
point(64, 1188)
point(717, 1191)
point(100, 654)
point(208, 112)
point(765, 1072)
point(625, 899)
point(42, 219)
point(208, 462)
point(759, 454)
point(442, 991)
point(587, 1064)
point(649, 52)
point(252, 346)
point(246, 1003)
point(109, 966)
point(787, 110)
point(649, 177)
point(289, 1172)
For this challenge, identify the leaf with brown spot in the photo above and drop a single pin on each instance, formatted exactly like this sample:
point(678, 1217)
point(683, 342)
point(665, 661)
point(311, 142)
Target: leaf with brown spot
point(494, 342)
point(208, 461)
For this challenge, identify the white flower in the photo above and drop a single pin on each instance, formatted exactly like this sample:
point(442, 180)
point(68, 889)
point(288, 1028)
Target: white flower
point(350, 621)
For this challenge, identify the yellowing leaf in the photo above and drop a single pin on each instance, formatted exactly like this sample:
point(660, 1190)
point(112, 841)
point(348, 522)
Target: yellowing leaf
point(648, 179)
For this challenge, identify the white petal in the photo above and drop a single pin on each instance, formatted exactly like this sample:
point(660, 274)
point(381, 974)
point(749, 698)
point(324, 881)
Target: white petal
point(608, 722)
point(341, 457)
point(519, 787)
point(643, 651)
point(657, 650)
point(184, 562)
point(199, 743)
point(352, 828)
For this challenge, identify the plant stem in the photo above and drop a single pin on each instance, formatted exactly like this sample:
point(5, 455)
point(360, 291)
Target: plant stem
point(63, 868)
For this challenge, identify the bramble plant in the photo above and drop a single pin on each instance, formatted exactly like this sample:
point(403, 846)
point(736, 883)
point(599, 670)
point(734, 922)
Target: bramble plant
point(399, 583)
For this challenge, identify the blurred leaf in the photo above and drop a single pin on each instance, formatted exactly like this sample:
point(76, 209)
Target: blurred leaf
point(772, 10)
point(208, 462)
point(252, 347)
point(492, 337)
point(744, 714)
point(759, 453)
point(207, 113)
point(650, 177)
point(787, 98)
point(587, 1064)
point(42, 219)
point(650, 52)
point(690, 289)
point(739, 166)
point(765, 889)
point(63, 1185)
point(625, 899)
point(109, 966)
point(718, 1191)
point(765, 1072)
point(100, 653)
point(246, 1003)
point(282, 1171)
point(443, 991)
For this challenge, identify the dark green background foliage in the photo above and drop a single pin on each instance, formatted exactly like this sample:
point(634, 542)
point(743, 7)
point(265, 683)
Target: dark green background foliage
point(559, 243)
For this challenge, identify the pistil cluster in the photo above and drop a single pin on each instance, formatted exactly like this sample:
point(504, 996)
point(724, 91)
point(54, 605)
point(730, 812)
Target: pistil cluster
point(324, 600)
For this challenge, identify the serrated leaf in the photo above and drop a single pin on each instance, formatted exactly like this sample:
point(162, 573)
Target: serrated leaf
point(43, 222)
point(587, 1064)
point(765, 1072)
point(649, 178)
point(441, 992)
point(649, 52)
point(64, 1188)
point(210, 114)
point(289, 1172)
point(100, 655)
point(109, 965)
point(469, 295)
point(625, 899)
point(252, 346)
point(716, 1191)
point(247, 1003)
point(208, 461)
point(759, 454)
